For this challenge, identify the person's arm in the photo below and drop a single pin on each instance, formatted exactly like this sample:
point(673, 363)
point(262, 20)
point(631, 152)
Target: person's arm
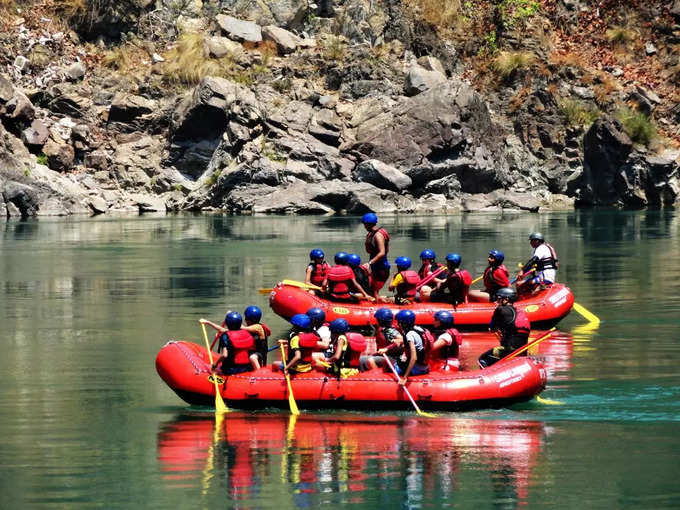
point(213, 325)
point(255, 328)
point(360, 288)
point(412, 361)
point(308, 275)
point(396, 281)
point(223, 354)
point(293, 361)
point(339, 348)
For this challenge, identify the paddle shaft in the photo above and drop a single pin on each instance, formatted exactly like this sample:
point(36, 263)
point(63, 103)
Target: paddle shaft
point(291, 399)
point(528, 346)
point(220, 406)
point(430, 277)
point(408, 393)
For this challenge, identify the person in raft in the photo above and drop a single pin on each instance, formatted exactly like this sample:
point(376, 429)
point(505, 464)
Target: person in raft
point(377, 246)
point(237, 349)
point(362, 275)
point(320, 328)
point(413, 341)
point(455, 280)
point(303, 343)
point(385, 335)
point(541, 269)
point(318, 268)
point(496, 276)
point(511, 324)
point(332, 359)
point(428, 266)
point(405, 282)
point(443, 353)
point(259, 330)
point(340, 281)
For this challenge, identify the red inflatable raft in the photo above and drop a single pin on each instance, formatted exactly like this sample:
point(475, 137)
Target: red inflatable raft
point(185, 367)
point(544, 309)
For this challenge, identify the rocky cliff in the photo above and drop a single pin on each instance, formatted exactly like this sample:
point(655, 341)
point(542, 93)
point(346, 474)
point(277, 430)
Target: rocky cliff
point(285, 106)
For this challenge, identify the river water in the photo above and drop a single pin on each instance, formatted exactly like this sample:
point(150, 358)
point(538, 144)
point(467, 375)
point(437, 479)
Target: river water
point(85, 421)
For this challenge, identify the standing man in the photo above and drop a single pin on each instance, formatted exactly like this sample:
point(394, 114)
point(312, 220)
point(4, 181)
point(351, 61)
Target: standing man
point(510, 324)
point(541, 269)
point(377, 247)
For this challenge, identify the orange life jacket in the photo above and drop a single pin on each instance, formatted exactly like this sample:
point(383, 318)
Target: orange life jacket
point(496, 277)
point(319, 272)
point(338, 281)
point(243, 345)
point(408, 287)
point(308, 345)
point(370, 245)
point(356, 344)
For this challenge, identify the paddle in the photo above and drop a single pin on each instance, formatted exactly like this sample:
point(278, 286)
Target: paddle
point(291, 398)
point(220, 406)
point(529, 345)
point(586, 314)
point(292, 283)
point(430, 277)
point(408, 393)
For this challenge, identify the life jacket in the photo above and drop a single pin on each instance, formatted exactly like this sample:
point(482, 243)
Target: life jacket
point(427, 269)
point(549, 263)
point(408, 287)
point(381, 340)
point(496, 277)
point(427, 340)
point(356, 344)
point(319, 272)
point(448, 351)
point(338, 278)
point(522, 323)
point(370, 245)
point(265, 328)
point(458, 284)
point(308, 345)
point(243, 345)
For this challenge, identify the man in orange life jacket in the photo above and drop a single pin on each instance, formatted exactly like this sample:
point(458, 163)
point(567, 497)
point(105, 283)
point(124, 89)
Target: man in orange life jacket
point(303, 344)
point(377, 246)
point(340, 281)
point(405, 282)
point(496, 276)
point(455, 280)
point(511, 324)
point(443, 353)
point(318, 268)
point(237, 349)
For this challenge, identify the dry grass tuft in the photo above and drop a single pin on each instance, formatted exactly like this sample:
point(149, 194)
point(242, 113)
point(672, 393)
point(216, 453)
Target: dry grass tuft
point(507, 63)
point(620, 35)
point(443, 14)
point(188, 62)
point(578, 113)
point(565, 59)
point(518, 99)
point(334, 48)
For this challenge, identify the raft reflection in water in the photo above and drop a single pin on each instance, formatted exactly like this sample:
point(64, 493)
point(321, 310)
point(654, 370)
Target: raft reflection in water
point(348, 459)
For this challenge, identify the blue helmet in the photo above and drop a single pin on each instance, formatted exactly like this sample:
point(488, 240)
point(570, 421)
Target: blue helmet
point(445, 317)
point(353, 259)
point(370, 218)
point(253, 314)
point(341, 257)
point(316, 315)
point(454, 259)
point(406, 318)
point(402, 262)
point(383, 316)
point(233, 320)
point(339, 326)
point(427, 254)
point(316, 253)
point(497, 256)
point(301, 321)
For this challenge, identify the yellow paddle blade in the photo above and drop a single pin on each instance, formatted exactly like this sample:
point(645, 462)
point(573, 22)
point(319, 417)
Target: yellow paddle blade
point(426, 414)
point(220, 406)
point(549, 402)
point(265, 291)
point(291, 399)
point(586, 314)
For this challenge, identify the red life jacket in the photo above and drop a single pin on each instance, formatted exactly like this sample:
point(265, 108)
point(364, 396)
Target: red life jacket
point(408, 287)
point(356, 344)
point(265, 328)
point(496, 277)
point(458, 284)
point(243, 345)
point(338, 281)
point(370, 245)
point(319, 272)
point(522, 323)
point(427, 268)
point(380, 339)
point(308, 345)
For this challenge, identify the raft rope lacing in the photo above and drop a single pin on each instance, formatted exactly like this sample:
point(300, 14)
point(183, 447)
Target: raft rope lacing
point(188, 356)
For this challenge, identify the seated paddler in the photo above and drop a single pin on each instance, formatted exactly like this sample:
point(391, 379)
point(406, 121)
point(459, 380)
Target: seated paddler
point(340, 283)
point(237, 348)
point(302, 345)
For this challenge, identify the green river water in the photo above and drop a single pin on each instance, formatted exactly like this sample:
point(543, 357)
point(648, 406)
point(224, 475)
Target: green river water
point(85, 421)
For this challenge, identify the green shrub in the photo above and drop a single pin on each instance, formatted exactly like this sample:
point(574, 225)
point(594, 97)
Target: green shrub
point(578, 113)
point(42, 159)
point(210, 181)
point(638, 126)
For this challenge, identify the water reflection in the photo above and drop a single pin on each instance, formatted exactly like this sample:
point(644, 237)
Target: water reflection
point(350, 459)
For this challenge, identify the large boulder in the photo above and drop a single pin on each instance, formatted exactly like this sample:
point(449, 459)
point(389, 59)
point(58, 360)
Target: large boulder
point(239, 30)
point(381, 175)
